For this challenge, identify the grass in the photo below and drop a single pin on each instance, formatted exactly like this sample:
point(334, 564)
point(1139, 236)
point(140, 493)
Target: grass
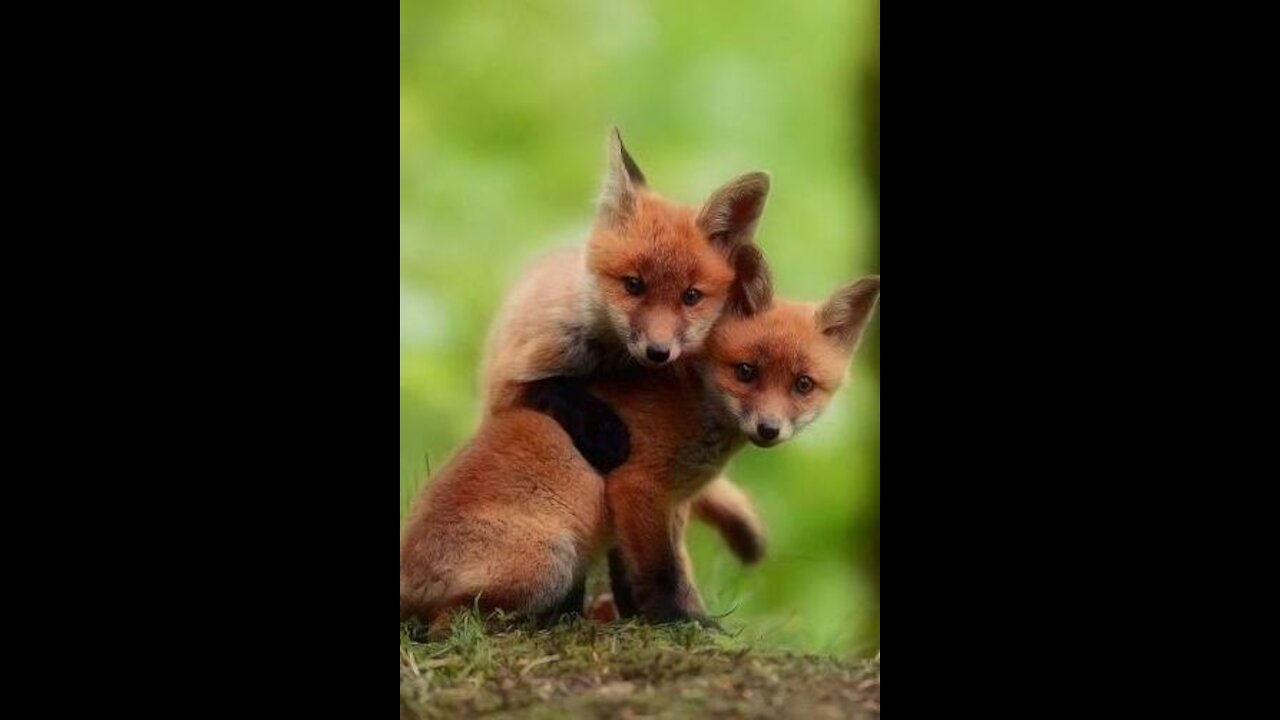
point(584, 669)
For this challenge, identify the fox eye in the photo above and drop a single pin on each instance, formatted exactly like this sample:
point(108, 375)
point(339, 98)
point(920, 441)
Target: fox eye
point(634, 285)
point(692, 297)
point(804, 384)
point(746, 372)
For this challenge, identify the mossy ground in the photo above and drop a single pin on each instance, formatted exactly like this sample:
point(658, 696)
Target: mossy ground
point(584, 669)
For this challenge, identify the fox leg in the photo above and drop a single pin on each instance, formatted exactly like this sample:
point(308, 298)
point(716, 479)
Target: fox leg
point(620, 586)
point(685, 562)
point(731, 512)
point(650, 551)
point(623, 594)
point(600, 436)
point(527, 360)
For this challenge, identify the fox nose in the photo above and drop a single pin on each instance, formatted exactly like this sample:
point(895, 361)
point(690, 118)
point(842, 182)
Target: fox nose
point(657, 354)
point(767, 432)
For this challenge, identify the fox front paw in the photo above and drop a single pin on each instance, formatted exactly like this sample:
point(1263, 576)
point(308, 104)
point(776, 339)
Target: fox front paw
point(666, 612)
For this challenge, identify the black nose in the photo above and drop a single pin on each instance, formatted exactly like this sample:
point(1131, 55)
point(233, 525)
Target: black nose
point(767, 432)
point(657, 354)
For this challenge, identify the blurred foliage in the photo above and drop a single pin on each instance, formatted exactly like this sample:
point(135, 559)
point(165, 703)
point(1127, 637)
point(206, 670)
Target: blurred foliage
point(503, 113)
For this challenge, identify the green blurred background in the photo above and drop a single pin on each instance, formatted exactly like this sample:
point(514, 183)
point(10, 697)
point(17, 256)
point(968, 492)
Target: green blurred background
point(503, 114)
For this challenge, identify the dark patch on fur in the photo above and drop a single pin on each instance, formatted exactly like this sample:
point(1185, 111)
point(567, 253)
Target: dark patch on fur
point(596, 430)
point(665, 580)
point(633, 170)
point(752, 290)
point(745, 542)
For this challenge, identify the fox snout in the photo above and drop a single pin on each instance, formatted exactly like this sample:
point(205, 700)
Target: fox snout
point(653, 353)
point(657, 342)
point(767, 430)
point(657, 354)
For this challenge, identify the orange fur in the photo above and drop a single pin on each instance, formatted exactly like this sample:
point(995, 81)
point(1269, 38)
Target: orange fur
point(687, 422)
point(516, 515)
point(571, 313)
point(511, 522)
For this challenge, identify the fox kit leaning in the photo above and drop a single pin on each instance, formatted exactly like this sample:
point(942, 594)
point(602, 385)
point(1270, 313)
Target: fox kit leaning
point(762, 379)
point(513, 521)
point(652, 281)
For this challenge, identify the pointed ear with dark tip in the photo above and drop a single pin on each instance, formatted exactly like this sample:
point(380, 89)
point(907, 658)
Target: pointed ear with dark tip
point(752, 289)
point(622, 179)
point(729, 217)
point(846, 315)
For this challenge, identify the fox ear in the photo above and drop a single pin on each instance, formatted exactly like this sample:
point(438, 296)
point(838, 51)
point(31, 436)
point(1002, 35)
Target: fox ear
point(621, 180)
point(846, 315)
point(752, 289)
point(729, 217)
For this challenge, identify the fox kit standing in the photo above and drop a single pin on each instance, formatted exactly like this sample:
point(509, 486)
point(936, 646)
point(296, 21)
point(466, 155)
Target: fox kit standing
point(761, 379)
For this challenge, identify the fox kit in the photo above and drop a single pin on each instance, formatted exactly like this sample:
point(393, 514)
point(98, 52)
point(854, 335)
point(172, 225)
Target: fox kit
point(513, 521)
point(763, 379)
point(653, 279)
